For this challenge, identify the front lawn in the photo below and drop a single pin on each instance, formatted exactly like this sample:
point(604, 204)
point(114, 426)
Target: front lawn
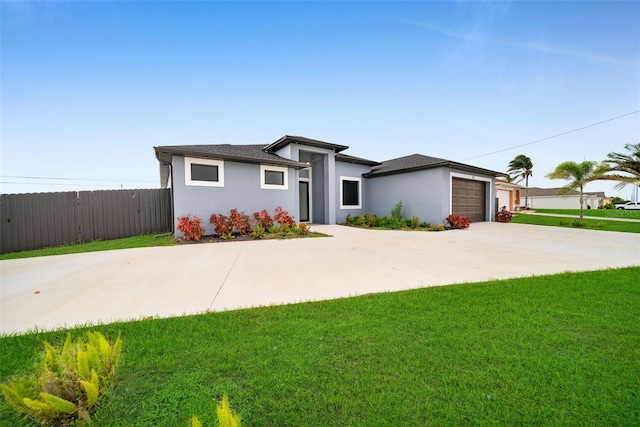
point(552, 350)
point(600, 213)
point(588, 224)
point(142, 241)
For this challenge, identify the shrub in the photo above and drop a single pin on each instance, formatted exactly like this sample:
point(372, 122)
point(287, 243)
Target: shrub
point(504, 216)
point(240, 221)
point(414, 222)
point(285, 228)
point(304, 228)
point(437, 227)
point(221, 223)
point(457, 221)
point(258, 231)
point(282, 217)
point(348, 219)
point(372, 219)
point(360, 220)
point(226, 417)
point(69, 381)
point(190, 228)
point(577, 223)
point(424, 225)
point(263, 218)
point(396, 211)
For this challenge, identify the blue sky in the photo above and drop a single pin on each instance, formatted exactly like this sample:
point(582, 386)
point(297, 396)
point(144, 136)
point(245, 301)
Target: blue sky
point(88, 88)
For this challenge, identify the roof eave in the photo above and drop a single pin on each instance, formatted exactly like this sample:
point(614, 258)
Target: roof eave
point(160, 153)
point(288, 139)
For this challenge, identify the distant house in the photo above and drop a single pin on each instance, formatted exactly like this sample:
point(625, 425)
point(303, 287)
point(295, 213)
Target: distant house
point(548, 198)
point(316, 182)
point(508, 195)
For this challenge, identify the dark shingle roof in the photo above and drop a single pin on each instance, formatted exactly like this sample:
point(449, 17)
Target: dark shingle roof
point(358, 160)
point(254, 153)
point(290, 139)
point(417, 162)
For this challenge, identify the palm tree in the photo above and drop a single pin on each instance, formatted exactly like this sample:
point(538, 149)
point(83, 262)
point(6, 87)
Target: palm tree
point(628, 164)
point(579, 174)
point(522, 166)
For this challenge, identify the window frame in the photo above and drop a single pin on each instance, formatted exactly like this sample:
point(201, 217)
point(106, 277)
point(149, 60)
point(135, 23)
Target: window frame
point(359, 181)
point(188, 161)
point(285, 177)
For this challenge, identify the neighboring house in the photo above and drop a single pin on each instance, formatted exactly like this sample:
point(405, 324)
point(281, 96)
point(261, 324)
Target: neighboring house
point(548, 198)
point(508, 195)
point(316, 182)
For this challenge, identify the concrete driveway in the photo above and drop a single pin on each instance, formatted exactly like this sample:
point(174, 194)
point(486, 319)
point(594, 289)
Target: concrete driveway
point(65, 290)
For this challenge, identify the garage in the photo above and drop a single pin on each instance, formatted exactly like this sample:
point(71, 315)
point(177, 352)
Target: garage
point(468, 198)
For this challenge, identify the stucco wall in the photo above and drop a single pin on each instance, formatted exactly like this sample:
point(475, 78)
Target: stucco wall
point(423, 193)
point(562, 202)
point(241, 191)
point(353, 171)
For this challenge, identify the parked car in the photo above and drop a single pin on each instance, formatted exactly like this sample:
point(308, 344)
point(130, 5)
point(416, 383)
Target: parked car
point(628, 205)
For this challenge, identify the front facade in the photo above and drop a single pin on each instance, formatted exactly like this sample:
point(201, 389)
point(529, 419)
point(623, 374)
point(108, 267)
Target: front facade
point(314, 181)
point(508, 195)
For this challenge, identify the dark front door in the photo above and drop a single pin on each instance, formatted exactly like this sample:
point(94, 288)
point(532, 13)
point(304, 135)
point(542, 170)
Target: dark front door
point(304, 201)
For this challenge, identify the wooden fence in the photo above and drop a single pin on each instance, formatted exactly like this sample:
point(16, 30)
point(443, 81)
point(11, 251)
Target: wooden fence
point(39, 220)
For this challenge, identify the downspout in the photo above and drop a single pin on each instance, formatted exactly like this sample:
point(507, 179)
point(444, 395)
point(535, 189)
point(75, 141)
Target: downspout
point(173, 221)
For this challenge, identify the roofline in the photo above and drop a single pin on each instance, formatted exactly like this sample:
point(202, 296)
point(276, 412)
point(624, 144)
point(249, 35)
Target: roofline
point(446, 163)
point(356, 160)
point(288, 139)
point(241, 159)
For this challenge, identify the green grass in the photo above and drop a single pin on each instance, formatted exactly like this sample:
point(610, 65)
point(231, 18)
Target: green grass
point(145, 240)
point(589, 224)
point(600, 213)
point(549, 350)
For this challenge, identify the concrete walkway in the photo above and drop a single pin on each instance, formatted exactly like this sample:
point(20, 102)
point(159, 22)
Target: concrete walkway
point(65, 290)
point(613, 216)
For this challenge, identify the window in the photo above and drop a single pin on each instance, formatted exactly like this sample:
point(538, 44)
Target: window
point(350, 193)
point(204, 172)
point(274, 177)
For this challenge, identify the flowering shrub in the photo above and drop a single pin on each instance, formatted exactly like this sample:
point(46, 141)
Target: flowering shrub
point(190, 228)
point(457, 221)
point(304, 228)
point(241, 221)
point(504, 216)
point(264, 219)
point(282, 217)
point(222, 224)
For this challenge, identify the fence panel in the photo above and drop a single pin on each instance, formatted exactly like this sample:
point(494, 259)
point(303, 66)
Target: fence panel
point(38, 220)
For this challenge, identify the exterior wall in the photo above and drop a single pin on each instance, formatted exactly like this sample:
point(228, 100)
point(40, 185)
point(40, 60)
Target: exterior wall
point(563, 202)
point(241, 191)
point(353, 171)
point(504, 199)
point(323, 167)
point(423, 193)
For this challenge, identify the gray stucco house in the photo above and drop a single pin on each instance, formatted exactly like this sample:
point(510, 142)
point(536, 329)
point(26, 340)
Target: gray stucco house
point(317, 183)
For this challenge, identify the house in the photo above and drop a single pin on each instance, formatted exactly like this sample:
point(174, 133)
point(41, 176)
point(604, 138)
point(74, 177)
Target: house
point(508, 195)
point(549, 198)
point(316, 182)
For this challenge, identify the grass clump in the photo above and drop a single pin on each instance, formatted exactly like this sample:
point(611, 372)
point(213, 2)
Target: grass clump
point(68, 383)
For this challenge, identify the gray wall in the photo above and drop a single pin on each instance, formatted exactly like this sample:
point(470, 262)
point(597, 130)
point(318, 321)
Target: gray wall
point(241, 191)
point(423, 193)
point(354, 171)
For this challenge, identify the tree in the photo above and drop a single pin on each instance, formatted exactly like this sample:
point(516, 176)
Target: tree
point(522, 167)
point(628, 164)
point(579, 174)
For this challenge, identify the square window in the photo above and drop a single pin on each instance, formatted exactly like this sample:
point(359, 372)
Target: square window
point(203, 172)
point(274, 177)
point(350, 193)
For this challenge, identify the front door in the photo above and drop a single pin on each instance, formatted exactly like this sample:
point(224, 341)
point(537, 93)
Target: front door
point(304, 189)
